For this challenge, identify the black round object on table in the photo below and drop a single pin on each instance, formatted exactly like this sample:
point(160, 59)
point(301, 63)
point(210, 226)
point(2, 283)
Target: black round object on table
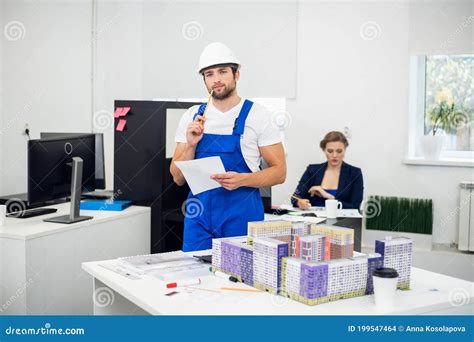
point(385, 272)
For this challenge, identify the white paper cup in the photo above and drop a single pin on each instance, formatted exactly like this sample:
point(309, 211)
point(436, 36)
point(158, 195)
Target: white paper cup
point(3, 214)
point(332, 208)
point(385, 286)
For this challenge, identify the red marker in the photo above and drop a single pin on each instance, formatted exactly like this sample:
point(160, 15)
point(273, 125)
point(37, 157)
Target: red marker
point(184, 282)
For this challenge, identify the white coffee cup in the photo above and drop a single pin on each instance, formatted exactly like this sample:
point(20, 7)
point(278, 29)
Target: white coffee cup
point(385, 286)
point(3, 213)
point(332, 207)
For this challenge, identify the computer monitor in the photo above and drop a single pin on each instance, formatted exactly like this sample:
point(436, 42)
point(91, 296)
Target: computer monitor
point(99, 154)
point(50, 166)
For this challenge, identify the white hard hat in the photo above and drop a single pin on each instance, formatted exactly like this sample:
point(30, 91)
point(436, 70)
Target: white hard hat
point(216, 54)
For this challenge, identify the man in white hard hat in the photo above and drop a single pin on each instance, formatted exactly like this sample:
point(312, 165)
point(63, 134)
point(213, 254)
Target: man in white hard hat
point(241, 133)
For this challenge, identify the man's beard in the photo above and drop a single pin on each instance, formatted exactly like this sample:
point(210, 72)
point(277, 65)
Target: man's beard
point(225, 94)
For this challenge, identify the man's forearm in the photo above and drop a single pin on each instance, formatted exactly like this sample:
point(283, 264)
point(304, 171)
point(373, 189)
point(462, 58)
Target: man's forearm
point(188, 154)
point(270, 176)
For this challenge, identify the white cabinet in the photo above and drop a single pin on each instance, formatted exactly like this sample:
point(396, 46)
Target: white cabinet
point(40, 262)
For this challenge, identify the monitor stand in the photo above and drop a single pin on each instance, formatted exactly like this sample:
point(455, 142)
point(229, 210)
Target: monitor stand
point(76, 186)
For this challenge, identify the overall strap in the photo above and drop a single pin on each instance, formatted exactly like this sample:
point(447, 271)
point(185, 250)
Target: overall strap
point(240, 121)
point(200, 111)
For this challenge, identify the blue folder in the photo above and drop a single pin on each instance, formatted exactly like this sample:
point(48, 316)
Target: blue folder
point(109, 205)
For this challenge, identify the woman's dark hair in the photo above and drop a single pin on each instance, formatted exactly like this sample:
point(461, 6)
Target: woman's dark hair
point(333, 136)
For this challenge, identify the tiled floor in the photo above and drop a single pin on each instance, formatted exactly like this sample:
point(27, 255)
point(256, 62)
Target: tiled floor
point(459, 265)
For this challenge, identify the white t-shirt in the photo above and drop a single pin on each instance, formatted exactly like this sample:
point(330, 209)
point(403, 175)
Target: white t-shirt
point(259, 130)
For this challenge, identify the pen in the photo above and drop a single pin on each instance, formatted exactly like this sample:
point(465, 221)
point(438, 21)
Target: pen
point(208, 102)
point(184, 282)
point(200, 118)
point(296, 198)
point(222, 275)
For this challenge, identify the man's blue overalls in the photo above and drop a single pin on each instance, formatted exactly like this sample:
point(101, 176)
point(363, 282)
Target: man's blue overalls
point(224, 212)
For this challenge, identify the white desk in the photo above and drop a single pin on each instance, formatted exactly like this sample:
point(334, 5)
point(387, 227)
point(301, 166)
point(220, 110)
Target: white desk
point(40, 263)
point(123, 296)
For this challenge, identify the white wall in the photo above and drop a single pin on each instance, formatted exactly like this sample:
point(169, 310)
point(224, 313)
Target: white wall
point(441, 27)
point(48, 74)
point(1, 100)
point(262, 34)
point(118, 69)
point(2, 247)
point(342, 80)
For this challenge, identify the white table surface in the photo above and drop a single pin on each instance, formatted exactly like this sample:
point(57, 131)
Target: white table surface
point(430, 292)
point(30, 228)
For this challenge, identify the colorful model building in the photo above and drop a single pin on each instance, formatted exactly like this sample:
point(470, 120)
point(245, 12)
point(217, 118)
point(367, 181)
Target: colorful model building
point(313, 247)
point(274, 229)
point(285, 231)
point(375, 260)
point(319, 282)
point(397, 254)
point(230, 256)
point(342, 240)
point(217, 252)
point(309, 263)
point(347, 277)
point(298, 228)
point(246, 259)
point(233, 256)
point(304, 281)
point(267, 255)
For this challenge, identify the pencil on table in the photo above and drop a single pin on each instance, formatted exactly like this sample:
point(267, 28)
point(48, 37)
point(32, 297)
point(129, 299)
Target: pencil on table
point(203, 289)
point(239, 289)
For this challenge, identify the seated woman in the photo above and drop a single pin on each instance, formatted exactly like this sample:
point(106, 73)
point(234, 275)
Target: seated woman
point(333, 179)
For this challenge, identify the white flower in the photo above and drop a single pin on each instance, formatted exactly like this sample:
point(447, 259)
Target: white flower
point(445, 95)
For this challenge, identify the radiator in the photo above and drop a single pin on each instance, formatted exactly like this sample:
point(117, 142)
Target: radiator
point(466, 217)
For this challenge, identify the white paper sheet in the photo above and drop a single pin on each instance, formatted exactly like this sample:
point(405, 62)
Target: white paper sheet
point(321, 211)
point(198, 173)
point(341, 213)
point(143, 264)
point(292, 218)
point(291, 208)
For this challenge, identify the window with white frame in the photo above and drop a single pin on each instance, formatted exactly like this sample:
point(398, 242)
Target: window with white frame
point(444, 102)
point(449, 101)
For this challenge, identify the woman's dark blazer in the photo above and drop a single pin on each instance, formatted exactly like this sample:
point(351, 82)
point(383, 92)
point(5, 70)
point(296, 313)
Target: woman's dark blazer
point(350, 190)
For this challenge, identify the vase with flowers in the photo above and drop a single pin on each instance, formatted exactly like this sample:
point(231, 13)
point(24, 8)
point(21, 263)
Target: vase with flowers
point(444, 118)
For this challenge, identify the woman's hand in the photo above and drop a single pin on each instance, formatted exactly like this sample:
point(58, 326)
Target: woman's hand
point(319, 191)
point(303, 204)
